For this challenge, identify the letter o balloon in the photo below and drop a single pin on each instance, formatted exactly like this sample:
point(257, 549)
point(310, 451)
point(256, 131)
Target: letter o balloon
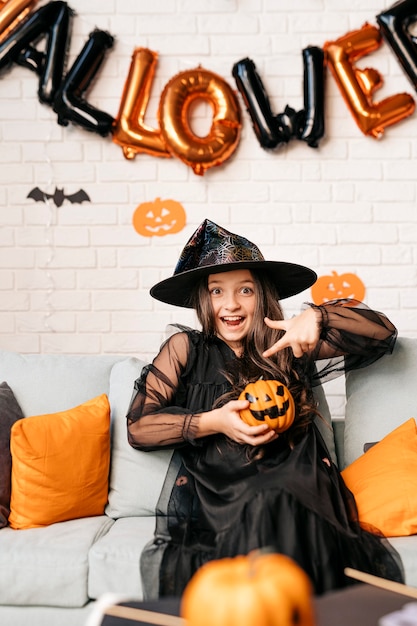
point(200, 153)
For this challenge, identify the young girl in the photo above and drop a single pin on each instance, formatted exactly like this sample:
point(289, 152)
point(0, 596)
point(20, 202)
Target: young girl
point(232, 488)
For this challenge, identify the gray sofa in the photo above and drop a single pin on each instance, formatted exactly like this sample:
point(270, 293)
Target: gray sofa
point(53, 575)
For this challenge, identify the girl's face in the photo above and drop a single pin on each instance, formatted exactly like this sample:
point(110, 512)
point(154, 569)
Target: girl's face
point(233, 299)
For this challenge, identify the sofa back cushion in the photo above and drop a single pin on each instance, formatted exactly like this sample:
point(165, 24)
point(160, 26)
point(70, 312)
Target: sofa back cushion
point(380, 398)
point(47, 383)
point(324, 422)
point(39, 384)
point(136, 477)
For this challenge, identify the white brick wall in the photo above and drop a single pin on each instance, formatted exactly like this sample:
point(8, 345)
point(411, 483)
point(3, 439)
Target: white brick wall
point(76, 278)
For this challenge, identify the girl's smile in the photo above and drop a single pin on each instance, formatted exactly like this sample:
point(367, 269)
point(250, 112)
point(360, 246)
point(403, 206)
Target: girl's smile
point(233, 299)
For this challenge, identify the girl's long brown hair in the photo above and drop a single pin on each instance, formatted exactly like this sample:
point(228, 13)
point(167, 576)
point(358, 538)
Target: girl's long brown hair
point(252, 365)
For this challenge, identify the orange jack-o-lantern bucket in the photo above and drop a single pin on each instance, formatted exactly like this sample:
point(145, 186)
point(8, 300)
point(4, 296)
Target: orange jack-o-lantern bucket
point(270, 402)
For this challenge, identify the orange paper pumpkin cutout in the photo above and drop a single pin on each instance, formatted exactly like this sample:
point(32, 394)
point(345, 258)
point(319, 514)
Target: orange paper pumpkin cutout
point(159, 218)
point(346, 286)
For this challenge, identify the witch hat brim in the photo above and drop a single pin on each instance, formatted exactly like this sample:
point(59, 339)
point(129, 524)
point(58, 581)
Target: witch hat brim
point(213, 249)
point(289, 278)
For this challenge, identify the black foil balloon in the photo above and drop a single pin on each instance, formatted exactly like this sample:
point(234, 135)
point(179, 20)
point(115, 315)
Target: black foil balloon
point(52, 21)
point(69, 103)
point(394, 24)
point(313, 125)
point(270, 129)
point(250, 85)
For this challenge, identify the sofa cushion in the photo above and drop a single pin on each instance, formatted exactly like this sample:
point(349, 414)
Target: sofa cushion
point(324, 423)
point(60, 465)
point(10, 412)
point(384, 483)
point(407, 550)
point(47, 383)
point(136, 477)
point(46, 615)
point(380, 398)
point(114, 559)
point(48, 566)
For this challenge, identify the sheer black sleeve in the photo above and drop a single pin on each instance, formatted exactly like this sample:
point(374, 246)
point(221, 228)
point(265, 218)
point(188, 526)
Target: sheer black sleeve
point(352, 336)
point(153, 420)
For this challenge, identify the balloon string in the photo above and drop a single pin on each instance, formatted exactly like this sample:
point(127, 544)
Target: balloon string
point(49, 243)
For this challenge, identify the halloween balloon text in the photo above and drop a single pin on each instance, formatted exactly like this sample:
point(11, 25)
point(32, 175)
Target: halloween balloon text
point(65, 89)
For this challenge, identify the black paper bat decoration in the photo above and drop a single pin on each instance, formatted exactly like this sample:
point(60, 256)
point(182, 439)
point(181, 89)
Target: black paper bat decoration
point(58, 196)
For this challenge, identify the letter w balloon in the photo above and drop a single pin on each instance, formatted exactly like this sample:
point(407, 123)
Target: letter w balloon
point(272, 130)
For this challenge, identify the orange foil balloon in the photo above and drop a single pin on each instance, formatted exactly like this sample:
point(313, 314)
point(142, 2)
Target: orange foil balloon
point(357, 86)
point(129, 129)
point(182, 90)
point(11, 13)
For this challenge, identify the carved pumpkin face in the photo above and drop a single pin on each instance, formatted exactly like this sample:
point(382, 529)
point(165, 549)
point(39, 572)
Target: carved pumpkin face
point(270, 402)
point(265, 589)
point(159, 218)
point(345, 286)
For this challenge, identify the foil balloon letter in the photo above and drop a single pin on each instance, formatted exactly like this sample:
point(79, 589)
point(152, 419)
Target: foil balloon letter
point(312, 124)
point(357, 86)
point(129, 129)
point(395, 25)
point(12, 12)
point(54, 21)
point(264, 122)
point(69, 103)
point(200, 153)
point(272, 130)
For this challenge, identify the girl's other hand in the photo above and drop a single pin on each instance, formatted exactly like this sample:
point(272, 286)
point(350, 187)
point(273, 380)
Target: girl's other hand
point(302, 333)
point(227, 420)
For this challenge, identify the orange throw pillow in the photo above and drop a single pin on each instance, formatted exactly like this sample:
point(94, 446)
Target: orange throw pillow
point(384, 483)
point(60, 465)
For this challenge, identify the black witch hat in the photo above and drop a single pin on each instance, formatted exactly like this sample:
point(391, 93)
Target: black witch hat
point(213, 249)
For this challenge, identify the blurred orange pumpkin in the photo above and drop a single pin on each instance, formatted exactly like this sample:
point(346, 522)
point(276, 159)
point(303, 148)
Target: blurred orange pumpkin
point(262, 589)
point(270, 403)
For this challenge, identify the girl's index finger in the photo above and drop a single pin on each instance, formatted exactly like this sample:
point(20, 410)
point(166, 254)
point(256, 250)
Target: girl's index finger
point(279, 345)
point(277, 324)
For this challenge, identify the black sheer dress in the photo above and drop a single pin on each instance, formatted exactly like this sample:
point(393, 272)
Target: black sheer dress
point(219, 500)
